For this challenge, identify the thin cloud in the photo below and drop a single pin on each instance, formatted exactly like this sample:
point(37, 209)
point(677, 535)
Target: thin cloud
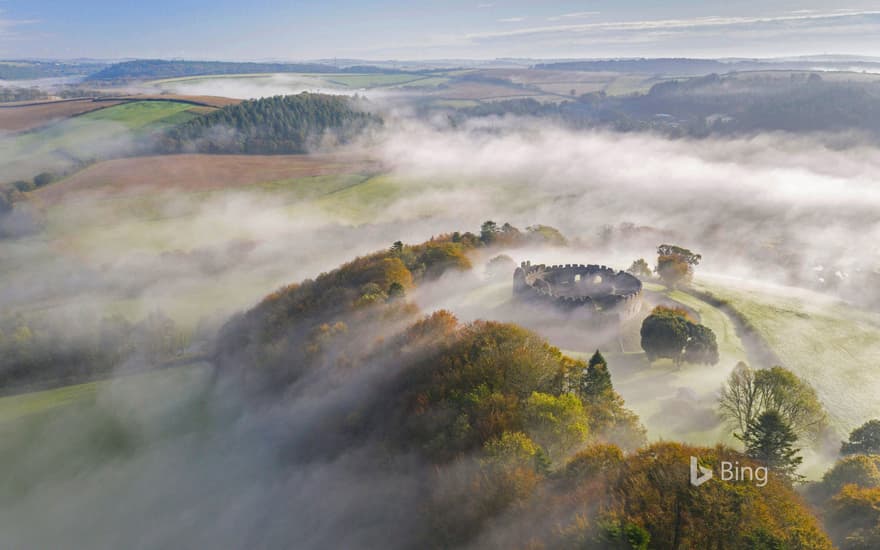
point(575, 15)
point(8, 27)
point(669, 24)
point(511, 19)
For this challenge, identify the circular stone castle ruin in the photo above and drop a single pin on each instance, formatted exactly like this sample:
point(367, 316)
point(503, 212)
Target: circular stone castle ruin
point(593, 291)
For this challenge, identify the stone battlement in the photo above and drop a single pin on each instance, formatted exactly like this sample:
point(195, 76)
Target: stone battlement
point(593, 290)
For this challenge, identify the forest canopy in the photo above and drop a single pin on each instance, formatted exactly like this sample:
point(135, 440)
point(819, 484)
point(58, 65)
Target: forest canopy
point(273, 125)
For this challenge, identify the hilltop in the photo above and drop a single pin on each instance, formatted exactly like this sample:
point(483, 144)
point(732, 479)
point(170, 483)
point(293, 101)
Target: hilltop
point(280, 124)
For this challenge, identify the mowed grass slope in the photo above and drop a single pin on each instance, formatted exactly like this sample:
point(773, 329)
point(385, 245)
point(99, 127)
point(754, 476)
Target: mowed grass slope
point(832, 345)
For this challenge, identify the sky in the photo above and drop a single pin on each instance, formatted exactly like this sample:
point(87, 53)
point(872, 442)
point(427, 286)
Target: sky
point(461, 29)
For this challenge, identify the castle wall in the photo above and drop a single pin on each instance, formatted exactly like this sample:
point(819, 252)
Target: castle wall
point(595, 290)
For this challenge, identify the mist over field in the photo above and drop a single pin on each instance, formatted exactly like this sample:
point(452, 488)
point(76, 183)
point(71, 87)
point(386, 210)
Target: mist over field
point(769, 207)
point(759, 199)
point(253, 87)
point(307, 333)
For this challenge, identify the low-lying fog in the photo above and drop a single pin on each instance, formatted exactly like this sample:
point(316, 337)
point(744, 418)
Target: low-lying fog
point(256, 86)
point(769, 208)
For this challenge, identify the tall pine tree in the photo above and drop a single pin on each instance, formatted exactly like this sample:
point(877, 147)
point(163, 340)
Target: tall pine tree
point(596, 380)
point(770, 439)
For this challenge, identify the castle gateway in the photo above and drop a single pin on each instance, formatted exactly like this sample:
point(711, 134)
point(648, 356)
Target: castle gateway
point(591, 291)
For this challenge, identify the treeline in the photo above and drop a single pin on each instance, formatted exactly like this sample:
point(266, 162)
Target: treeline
point(37, 353)
point(12, 93)
point(274, 125)
point(29, 70)
point(676, 66)
point(698, 67)
point(9, 94)
point(23, 220)
point(716, 105)
point(849, 492)
point(148, 69)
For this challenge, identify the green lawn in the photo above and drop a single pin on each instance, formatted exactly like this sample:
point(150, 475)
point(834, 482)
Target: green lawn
point(833, 346)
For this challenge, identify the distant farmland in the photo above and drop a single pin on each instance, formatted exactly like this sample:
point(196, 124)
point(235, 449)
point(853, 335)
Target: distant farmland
point(34, 114)
point(99, 133)
point(16, 118)
point(198, 173)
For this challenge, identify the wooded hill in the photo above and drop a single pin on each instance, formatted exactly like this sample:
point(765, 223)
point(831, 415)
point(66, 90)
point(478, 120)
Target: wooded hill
point(506, 430)
point(716, 105)
point(274, 125)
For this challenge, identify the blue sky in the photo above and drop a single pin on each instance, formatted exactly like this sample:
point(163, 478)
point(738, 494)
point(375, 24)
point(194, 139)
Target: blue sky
point(393, 29)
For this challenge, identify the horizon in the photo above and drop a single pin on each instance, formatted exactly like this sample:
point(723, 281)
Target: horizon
point(325, 60)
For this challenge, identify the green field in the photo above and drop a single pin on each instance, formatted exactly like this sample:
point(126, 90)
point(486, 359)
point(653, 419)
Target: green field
point(67, 432)
point(98, 133)
point(17, 408)
point(832, 345)
point(138, 114)
point(95, 233)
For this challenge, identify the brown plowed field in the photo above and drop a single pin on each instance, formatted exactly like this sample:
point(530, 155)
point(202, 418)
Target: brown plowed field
point(15, 118)
point(193, 173)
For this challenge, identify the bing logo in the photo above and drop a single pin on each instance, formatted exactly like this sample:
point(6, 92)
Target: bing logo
point(730, 471)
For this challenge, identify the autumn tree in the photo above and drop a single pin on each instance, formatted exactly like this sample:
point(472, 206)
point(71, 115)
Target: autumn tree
point(749, 393)
point(860, 470)
point(854, 517)
point(557, 423)
point(675, 265)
